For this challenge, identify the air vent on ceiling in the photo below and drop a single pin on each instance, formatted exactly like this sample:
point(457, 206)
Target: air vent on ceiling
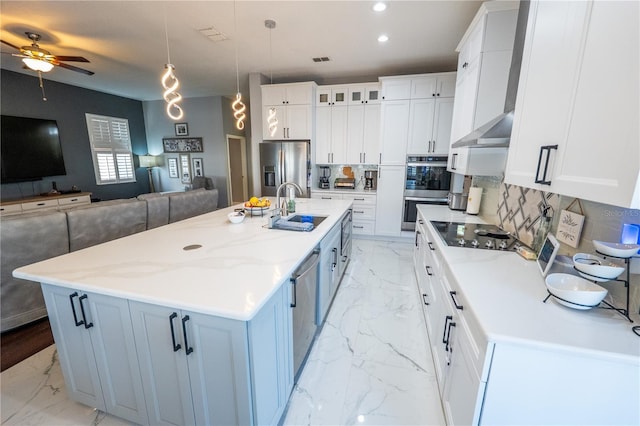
point(213, 34)
point(321, 59)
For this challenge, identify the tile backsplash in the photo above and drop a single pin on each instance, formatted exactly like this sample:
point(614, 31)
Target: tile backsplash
point(518, 210)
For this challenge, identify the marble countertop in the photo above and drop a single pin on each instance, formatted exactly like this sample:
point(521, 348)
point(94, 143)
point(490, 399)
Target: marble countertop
point(505, 294)
point(233, 272)
point(346, 191)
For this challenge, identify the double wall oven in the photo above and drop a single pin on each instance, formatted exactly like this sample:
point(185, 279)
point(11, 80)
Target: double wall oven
point(427, 182)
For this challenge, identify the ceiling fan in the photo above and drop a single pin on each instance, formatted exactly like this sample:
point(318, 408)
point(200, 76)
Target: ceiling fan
point(38, 59)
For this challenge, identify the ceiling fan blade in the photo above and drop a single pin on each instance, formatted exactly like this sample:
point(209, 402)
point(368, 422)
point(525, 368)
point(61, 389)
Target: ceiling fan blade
point(9, 44)
point(72, 68)
point(70, 58)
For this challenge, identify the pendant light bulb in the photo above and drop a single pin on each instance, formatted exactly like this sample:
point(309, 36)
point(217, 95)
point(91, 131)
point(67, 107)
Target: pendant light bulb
point(238, 111)
point(170, 94)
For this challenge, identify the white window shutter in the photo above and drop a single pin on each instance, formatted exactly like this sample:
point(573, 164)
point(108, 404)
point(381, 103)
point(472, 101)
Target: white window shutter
point(111, 148)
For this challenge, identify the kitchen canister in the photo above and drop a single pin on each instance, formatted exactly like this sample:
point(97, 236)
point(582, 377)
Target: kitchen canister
point(473, 202)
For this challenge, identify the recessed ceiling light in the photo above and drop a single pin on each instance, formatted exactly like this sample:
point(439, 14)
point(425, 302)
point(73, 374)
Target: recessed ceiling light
point(383, 38)
point(379, 7)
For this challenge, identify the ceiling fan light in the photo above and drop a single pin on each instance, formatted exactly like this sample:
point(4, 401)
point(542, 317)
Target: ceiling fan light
point(37, 64)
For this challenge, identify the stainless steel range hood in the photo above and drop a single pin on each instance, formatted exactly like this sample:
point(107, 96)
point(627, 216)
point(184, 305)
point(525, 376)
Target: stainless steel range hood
point(497, 132)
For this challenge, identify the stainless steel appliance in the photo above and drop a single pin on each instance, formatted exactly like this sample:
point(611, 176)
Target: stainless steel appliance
point(304, 282)
point(371, 180)
point(345, 183)
point(285, 161)
point(457, 201)
point(476, 236)
point(323, 182)
point(427, 182)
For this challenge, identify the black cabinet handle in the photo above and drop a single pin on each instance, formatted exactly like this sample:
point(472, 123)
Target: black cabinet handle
point(445, 338)
point(84, 317)
point(424, 299)
point(431, 247)
point(73, 309)
point(294, 296)
point(454, 157)
point(428, 269)
point(420, 221)
point(184, 333)
point(177, 347)
point(417, 234)
point(447, 348)
point(455, 302)
point(335, 258)
point(359, 211)
point(358, 227)
point(543, 180)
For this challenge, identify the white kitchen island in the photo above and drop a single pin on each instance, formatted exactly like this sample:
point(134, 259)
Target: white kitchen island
point(189, 323)
point(510, 358)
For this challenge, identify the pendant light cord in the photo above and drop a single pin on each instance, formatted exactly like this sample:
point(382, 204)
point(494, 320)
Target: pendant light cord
point(166, 34)
point(235, 29)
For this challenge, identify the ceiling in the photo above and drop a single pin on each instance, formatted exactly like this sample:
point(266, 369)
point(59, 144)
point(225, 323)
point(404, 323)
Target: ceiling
point(126, 43)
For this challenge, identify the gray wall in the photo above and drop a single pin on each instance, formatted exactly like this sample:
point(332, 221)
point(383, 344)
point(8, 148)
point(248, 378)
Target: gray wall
point(21, 96)
point(209, 118)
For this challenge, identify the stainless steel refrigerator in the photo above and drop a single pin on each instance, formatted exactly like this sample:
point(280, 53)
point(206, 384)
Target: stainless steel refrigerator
point(285, 161)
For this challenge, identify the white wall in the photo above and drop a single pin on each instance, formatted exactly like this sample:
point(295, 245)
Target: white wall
point(204, 117)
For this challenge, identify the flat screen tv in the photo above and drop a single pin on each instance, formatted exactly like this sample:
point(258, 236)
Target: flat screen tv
point(31, 149)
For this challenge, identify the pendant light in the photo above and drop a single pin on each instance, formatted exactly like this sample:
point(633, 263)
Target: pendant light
point(170, 83)
point(272, 119)
point(237, 106)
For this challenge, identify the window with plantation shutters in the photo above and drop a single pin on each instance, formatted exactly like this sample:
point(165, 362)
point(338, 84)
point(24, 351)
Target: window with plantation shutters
point(110, 149)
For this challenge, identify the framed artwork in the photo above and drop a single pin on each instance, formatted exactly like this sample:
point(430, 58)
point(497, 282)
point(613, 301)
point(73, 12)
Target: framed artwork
point(198, 169)
point(185, 168)
point(172, 164)
point(182, 144)
point(182, 129)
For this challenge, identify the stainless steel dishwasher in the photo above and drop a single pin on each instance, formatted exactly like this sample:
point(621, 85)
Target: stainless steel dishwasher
point(304, 283)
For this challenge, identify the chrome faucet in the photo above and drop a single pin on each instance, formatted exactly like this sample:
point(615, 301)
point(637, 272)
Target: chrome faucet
point(283, 209)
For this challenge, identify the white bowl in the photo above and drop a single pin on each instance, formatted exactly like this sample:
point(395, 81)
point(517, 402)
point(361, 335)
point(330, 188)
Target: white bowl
point(595, 268)
point(616, 249)
point(236, 217)
point(574, 291)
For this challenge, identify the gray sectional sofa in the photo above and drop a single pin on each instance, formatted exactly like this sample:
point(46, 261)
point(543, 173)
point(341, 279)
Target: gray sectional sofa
point(32, 237)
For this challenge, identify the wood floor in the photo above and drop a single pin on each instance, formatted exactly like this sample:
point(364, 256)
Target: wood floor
point(22, 342)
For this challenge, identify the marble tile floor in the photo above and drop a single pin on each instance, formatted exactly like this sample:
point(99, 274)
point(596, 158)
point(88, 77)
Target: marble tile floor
point(370, 365)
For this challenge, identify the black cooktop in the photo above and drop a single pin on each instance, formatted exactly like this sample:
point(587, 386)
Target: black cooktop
point(475, 235)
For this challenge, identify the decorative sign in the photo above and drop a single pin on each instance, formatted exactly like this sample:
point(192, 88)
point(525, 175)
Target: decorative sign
point(570, 226)
point(173, 167)
point(182, 144)
point(185, 169)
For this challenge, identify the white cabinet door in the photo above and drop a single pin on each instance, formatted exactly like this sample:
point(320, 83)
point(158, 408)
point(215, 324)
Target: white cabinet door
point(339, 133)
point(363, 146)
point(591, 131)
point(394, 89)
point(446, 86)
point(299, 121)
point(424, 87)
point(395, 132)
point(328, 275)
point(371, 141)
point(270, 339)
point(442, 126)
point(421, 115)
point(389, 203)
point(298, 94)
point(323, 135)
point(185, 359)
point(95, 341)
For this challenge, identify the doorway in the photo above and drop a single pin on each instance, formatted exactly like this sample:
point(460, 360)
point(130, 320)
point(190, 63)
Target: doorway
point(237, 169)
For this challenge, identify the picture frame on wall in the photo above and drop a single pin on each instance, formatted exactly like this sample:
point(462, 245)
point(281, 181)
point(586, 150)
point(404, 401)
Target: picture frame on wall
point(173, 145)
point(185, 169)
point(182, 129)
point(172, 164)
point(198, 169)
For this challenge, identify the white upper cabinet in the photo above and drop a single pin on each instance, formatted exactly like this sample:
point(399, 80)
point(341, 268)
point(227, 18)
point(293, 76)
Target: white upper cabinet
point(394, 132)
point(419, 86)
point(576, 127)
point(287, 94)
point(368, 93)
point(293, 106)
point(430, 126)
point(332, 95)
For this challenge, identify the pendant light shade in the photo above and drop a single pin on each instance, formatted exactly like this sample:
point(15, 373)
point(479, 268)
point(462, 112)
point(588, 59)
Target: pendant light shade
point(38, 65)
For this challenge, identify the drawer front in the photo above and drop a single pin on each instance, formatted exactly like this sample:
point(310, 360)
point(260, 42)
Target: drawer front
point(36, 205)
point(10, 209)
point(364, 212)
point(363, 227)
point(83, 199)
point(326, 196)
point(359, 200)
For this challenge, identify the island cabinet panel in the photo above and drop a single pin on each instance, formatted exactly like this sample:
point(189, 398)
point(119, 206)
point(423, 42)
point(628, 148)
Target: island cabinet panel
point(328, 275)
point(194, 366)
point(95, 342)
point(271, 348)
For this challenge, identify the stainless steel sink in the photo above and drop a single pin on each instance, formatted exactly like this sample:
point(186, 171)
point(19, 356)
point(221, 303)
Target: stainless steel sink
point(317, 220)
